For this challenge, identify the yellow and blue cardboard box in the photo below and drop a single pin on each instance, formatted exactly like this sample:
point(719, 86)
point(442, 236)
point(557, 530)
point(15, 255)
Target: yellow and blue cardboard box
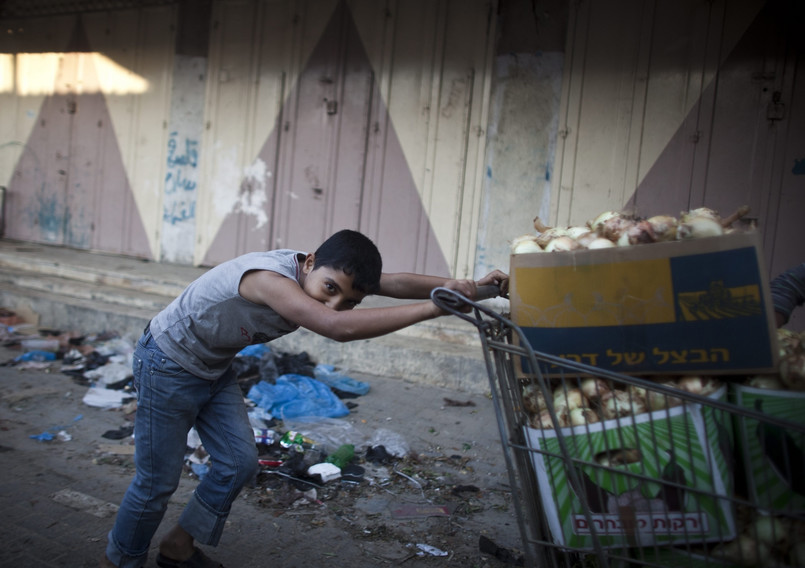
point(682, 307)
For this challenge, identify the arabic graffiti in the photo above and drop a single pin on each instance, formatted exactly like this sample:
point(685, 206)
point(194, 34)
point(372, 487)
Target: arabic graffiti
point(180, 180)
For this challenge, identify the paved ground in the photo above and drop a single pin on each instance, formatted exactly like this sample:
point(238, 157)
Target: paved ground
point(58, 497)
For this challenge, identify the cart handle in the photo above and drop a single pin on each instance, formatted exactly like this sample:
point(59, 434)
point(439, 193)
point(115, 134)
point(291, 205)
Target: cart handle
point(454, 302)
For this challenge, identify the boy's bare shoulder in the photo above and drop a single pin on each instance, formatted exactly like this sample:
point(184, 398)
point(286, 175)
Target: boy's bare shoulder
point(258, 285)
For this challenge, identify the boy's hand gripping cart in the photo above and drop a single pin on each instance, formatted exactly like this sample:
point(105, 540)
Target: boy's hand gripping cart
point(650, 475)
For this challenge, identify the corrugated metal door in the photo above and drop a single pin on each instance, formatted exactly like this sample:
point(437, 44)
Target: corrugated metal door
point(326, 123)
point(326, 114)
point(70, 184)
point(672, 105)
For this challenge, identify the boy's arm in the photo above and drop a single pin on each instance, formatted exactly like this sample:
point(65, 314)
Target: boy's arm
point(405, 285)
point(285, 297)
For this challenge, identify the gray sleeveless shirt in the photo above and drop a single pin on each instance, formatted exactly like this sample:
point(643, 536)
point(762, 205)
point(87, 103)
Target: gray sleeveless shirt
point(209, 323)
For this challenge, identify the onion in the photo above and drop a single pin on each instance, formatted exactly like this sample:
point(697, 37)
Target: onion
point(597, 223)
point(660, 401)
point(570, 398)
point(543, 421)
point(594, 388)
point(664, 227)
point(576, 232)
point(533, 399)
point(693, 385)
point(582, 415)
point(700, 212)
point(623, 456)
point(586, 238)
point(743, 551)
point(545, 238)
point(771, 382)
point(769, 530)
point(600, 243)
point(525, 244)
point(621, 403)
point(614, 227)
point(562, 244)
point(792, 371)
point(539, 225)
point(639, 233)
point(699, 227)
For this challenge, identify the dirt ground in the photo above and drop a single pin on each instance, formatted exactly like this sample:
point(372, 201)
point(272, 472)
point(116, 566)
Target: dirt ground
point(446, 503)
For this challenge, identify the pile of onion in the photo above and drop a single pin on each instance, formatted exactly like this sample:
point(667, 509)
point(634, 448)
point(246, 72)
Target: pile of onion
point(613, 228)
point(791, 371)
point(764, 540)
point(594, 400)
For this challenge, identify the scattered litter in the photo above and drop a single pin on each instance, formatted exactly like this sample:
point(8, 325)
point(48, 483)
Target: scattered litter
point(337, 381)
point(296, 396)
point(106, 398)
point(326, 471)
point(415, 511)
point(451, 402)
point(119, 434)
point(487, 546)
point(393, 443)
point(428, 549)
point(110, 374)
point(35, 356)
point(59, 432)
point(83, 502)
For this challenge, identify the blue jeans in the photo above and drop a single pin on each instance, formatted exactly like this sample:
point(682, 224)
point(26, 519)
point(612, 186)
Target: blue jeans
point(169, 402)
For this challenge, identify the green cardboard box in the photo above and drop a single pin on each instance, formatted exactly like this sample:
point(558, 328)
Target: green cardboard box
point(629, 504)
point(773, 457)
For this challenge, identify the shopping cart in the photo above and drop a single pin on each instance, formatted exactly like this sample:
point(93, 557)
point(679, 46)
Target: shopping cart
point(646, 474)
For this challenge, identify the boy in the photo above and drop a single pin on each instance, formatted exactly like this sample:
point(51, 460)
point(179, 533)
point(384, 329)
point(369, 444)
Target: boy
point(183, 378)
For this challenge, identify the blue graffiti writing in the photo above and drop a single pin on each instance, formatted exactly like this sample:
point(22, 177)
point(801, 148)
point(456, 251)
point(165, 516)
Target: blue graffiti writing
point(174, 181)
point(189, 158)
point(180, 180)
point(178, 211)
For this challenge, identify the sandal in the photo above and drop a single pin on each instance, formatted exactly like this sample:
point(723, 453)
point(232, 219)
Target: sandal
point(198, 560)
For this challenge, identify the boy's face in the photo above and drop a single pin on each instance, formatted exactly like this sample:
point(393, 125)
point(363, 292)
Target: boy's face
point(331, 287)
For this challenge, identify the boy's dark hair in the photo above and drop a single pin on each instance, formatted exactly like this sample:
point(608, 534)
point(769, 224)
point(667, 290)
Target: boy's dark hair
point(356, 255)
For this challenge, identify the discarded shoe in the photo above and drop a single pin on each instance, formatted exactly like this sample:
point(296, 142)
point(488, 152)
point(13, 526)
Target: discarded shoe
point(198, 560)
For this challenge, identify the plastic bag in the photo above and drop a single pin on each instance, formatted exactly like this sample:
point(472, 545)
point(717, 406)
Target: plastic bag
point(295, 396)
point(330, 377)
point(327, 433)
point(394, 443)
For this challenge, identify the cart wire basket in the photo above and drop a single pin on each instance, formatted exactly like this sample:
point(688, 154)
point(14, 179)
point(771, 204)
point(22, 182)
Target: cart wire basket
point(608, 469)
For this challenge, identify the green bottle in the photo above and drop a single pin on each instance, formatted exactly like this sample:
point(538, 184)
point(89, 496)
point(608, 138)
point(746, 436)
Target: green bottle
point(342, 456)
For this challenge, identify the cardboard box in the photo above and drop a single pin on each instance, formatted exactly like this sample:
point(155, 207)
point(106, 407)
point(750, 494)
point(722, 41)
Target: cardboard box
point(685, 443)
point(773, 457)
point(683, 307)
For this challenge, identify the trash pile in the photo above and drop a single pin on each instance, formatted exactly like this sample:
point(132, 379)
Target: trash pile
point(310, 457)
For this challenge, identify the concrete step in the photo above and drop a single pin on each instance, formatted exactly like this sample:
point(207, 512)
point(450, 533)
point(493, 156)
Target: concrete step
point(92, 292)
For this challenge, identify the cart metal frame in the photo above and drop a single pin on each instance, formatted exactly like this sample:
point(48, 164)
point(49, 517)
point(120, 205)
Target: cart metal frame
point(511, 363)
